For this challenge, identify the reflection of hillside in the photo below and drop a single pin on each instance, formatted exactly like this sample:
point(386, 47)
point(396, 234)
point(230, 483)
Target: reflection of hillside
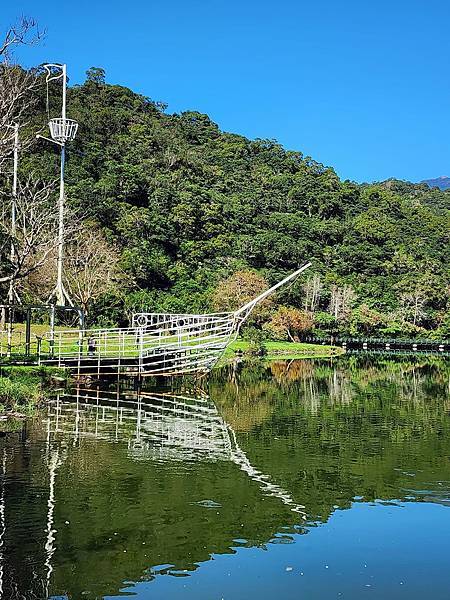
point(339, 430)
point(118, 485)
point(249, 399)
point(135, 475)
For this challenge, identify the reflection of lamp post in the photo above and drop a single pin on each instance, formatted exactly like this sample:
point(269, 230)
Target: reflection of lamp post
point(54, 460)
point(2, 519)
point(62, 130)
point(54, 463)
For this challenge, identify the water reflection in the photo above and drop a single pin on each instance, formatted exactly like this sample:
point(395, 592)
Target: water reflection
point(156, 426)
point(2, 519)
point(164, 426)
point(126, 485)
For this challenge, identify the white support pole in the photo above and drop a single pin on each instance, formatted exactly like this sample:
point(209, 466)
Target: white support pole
point(64, 83)
point(60, 292)
point(60, 295)
point(245, 310)
point(13, 229)
point(62, 131)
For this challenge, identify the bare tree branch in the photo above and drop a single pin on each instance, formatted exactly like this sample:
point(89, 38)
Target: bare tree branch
point(16, 84)
point(26, 31)
point(341, 302)
point(92, 266)
point(35, 239)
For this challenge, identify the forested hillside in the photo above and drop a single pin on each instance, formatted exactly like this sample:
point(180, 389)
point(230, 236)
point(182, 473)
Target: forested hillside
point(181, 206)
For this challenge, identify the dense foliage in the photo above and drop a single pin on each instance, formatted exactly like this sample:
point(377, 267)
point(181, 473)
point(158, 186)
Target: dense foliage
point(187, 205)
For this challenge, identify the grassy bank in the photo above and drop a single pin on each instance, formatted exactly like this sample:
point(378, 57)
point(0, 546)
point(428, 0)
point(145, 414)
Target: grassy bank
point(286, 350)
point(22, 388)
point(18, 337)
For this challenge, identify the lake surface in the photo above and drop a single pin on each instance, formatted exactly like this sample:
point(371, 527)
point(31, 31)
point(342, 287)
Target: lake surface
point(301, 479)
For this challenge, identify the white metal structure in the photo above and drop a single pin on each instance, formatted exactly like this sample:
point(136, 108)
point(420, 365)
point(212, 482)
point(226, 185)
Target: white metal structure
point(62, 130)
point(156, 344)
point(12, 294)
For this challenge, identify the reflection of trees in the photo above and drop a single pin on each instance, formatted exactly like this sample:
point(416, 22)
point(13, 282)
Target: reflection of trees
point(22, 521)
point(292, 370)
point(244, 399)
point(135, 476)
point(340, 388)
point(248, 399)
point(314, 385)
point(140, 470)
point(351, 428)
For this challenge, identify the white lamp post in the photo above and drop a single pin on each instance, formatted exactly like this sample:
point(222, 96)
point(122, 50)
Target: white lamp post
point(11, 292)
point(62, 130)
point(13, 205)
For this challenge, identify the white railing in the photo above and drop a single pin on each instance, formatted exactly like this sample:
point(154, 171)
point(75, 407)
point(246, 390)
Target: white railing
point(169, 425)
point(170, 345)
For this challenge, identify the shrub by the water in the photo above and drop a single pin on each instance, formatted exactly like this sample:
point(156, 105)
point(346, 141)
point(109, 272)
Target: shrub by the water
point(19, 394)
point(21, 388)
point(256, 339)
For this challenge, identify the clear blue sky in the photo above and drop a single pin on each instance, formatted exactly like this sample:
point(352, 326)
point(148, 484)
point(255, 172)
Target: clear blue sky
point(362, 86)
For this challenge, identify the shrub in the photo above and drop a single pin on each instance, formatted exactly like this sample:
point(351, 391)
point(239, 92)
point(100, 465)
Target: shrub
point(256, 339)
point(15, 394)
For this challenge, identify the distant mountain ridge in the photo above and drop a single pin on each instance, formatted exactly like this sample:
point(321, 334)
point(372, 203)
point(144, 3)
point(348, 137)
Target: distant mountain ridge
point(443, 183)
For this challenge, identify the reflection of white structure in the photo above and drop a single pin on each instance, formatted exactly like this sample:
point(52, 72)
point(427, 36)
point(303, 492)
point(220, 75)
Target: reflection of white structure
point(54, 462)
point(2, 519)
point(54, 457)
point(163, 426)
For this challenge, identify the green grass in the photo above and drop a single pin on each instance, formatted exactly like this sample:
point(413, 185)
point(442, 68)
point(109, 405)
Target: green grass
point(18, 337)
point(127, 345)
point(32, 374)
point(287, 350)
point(21, 388)
point(19, 394)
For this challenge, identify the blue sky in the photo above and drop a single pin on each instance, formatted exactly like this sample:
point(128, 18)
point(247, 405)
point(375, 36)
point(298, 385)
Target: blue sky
point(362, 86)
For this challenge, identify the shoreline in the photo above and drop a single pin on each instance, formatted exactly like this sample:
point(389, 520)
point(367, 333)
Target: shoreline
point(286, 350)
point(23, 389)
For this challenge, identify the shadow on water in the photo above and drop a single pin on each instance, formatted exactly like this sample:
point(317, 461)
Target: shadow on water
point(112, 486)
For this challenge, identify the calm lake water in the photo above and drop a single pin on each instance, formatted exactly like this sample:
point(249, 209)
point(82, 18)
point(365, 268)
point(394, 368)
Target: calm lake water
point(305, 479)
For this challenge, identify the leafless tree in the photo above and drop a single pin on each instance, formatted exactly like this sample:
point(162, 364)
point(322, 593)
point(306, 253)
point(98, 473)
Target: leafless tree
point(16, 84)
point(341, 302)
point(412, 305)
point(91, 266)
point(24, 32)
point(312, 288)
point(35, 237)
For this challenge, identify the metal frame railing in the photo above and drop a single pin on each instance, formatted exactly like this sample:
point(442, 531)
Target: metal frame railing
point(192, 343)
